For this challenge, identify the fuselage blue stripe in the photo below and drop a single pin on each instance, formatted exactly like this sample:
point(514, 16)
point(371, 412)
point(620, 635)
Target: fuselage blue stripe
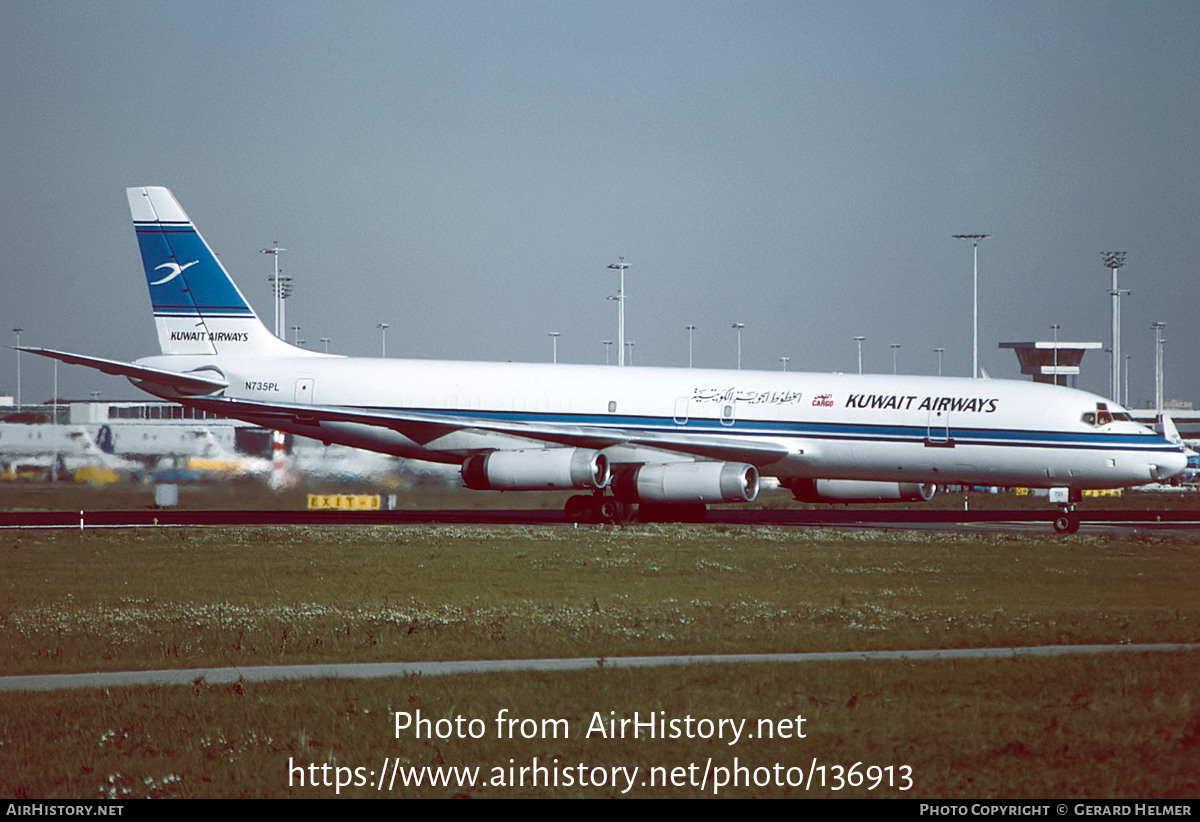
point(998, 437)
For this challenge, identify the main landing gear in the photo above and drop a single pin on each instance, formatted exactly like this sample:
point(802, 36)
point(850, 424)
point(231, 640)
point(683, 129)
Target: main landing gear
point(598, 509)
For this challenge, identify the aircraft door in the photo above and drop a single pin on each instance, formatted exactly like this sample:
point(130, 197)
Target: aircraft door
point(681, 410)
point(304, 391)
point(937, 431)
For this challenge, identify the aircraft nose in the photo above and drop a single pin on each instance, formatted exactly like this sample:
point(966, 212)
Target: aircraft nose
point(1168, 465)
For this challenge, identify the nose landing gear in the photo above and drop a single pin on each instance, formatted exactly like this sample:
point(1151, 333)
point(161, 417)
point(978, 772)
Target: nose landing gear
point(1067, 521)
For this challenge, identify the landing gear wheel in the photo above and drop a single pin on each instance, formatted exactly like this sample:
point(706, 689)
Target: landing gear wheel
point(579, 508)
point(609, 511)
point(1067, 522)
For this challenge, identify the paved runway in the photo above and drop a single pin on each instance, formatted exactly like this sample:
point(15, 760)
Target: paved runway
point(882, 517)
point(275, 673)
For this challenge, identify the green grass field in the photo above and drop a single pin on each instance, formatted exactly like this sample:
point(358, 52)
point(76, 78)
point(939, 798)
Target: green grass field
point(1108, 726)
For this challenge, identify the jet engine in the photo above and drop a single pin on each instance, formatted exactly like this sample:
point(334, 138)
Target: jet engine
point(688, 482)
point(547, 469)
point(839, 490)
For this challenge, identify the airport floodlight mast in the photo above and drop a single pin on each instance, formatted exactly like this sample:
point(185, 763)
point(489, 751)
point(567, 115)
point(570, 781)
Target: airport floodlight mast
point(691, 329)
point(285, 291)
point(859, 340)
point(325, 342)
point(738, 327)
point(784, 360)
point(629, 345)
point(620, 266)
point(277, 299)
point(1158, 370)
point(1128, 357)
point(895, 347)
point(383, 327)
point(607, 348)
point(1113, 260)
point(296, 335)
point(1054, 327)
point(974, 238)
point(554, 335)
point(939, 352)
point(18, 331)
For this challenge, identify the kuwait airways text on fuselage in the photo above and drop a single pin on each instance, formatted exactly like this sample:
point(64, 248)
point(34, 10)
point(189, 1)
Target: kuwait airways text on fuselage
point(898, 402)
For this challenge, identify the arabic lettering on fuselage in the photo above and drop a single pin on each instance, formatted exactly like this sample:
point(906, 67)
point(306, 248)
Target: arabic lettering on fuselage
point(744, 395)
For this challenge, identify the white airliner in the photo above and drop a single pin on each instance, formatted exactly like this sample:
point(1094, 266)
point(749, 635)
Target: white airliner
point(671, 439)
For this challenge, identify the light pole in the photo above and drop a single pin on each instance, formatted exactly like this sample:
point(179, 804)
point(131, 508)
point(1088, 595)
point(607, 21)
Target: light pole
point(974, 238)
point(325, 342)
point(607, 348)
point(784, 360)
point(939, 352)
point(383, 327)
point(554, 340)
point(18, 331)
point(895, 347)
point(859, 340)
point(1158, 369)
point(276, 286)
point(620, 266)
point(1128, 357)
point(1113, 260)
point(738, 327)
point(691, 329)
point(1055, 327)
point(629, 345)
point(296, 336)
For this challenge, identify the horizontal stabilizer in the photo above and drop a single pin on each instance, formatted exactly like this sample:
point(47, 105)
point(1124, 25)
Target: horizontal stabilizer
point(184, 383)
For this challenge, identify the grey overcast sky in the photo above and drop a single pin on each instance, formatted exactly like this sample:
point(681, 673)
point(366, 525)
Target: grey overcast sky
point(465, 171)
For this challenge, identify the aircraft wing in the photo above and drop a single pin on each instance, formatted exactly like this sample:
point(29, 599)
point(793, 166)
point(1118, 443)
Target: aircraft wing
point(184, 383)
point(423, 427)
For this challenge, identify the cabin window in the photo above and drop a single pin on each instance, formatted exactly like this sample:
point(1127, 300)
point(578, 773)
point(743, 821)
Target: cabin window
point(612, 406)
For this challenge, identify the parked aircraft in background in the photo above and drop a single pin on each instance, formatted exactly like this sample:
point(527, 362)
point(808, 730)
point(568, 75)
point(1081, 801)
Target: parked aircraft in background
point(659, 437)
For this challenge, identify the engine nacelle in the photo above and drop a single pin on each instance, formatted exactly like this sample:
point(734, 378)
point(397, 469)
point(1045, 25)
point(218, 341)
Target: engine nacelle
point(547, 469)
point(688, 482)
point(839, 490)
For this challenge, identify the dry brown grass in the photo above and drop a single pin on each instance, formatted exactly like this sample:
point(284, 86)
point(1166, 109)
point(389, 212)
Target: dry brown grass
point(104, 600)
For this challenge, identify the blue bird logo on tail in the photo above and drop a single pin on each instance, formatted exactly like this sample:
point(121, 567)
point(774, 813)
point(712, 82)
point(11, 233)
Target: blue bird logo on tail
point(176, 270)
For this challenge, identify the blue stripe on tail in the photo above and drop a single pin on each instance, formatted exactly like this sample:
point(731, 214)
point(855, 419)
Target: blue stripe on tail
point(184, 276)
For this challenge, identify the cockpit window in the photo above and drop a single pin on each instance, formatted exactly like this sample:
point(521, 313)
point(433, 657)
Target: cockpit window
point(1102, 416)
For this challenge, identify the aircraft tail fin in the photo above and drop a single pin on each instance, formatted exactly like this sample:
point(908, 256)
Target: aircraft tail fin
point(1166, 427)
point(197, 307)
